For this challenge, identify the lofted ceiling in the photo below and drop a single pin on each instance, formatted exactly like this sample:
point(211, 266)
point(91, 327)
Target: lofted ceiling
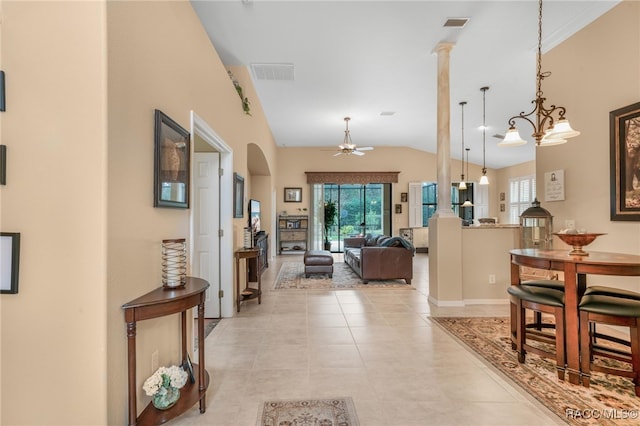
point(315, 62)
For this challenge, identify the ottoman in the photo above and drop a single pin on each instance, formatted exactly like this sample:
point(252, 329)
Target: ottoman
point(318, 262)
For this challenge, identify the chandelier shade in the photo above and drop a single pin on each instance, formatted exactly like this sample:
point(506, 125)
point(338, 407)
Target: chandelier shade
point(550, 126)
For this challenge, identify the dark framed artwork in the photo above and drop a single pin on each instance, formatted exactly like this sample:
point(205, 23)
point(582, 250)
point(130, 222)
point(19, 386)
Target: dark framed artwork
point(172, 163)
point(238, 196)
point(624, 128)
point(9, 262)
point(398, 208)
point(293, 195)
point(403, 197)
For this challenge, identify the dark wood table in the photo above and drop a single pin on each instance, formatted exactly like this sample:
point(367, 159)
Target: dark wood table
point(158, 303)
point(576, 269)
point(251, 293)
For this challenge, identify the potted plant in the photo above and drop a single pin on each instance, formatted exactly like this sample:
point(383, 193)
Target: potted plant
point(330, 211)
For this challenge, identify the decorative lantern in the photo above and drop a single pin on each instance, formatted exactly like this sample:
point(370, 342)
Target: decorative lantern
point(536, 227)
point(174, 263)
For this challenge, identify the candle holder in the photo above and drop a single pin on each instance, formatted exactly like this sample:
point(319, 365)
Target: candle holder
point(174, 263)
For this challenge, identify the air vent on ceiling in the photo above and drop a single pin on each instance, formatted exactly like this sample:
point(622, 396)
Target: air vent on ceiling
point(456, 22)
point(273, 72)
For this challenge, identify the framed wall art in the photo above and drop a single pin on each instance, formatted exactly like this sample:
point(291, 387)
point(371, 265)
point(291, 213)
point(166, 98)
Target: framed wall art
point(293, 195)
point(172, 167)
point(404, 197)
point(238, 196)
point(624, 129)
point(9, 262)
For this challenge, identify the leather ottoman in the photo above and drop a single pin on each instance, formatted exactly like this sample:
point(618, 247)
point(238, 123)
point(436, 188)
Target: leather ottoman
point(318, 262)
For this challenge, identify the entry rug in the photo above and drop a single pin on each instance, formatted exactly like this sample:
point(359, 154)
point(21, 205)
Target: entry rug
point(610, 400)
point(309, 412)
point(291, 276)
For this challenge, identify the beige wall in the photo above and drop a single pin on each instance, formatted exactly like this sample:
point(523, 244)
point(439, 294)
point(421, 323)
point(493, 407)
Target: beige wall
point(53, 332)
point(594, 72)
point(79, 130)
point(413, 165)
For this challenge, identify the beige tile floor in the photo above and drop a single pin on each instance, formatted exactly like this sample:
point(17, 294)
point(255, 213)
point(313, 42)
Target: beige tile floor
point(378, 347)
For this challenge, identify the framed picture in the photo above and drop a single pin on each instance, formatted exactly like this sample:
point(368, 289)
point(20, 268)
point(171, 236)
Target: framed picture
point(554, 185)
point(624, 128)
point(398, 208)
point(403, 197)
point(293, 195)
point(502, 196)
point(9, 261)
point(172, 168)
point(238, 196)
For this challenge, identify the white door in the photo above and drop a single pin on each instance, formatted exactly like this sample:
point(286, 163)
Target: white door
point(206, 224)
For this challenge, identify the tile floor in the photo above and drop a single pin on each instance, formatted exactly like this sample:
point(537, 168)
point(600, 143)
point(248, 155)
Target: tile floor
point(377, 346)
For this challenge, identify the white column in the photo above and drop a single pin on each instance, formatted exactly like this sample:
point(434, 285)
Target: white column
point(444, 131)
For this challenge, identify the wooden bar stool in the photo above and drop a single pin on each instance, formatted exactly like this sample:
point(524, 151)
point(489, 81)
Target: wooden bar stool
point(615, 292)
point(539, 300)
point(620, 311)
point(537, 316)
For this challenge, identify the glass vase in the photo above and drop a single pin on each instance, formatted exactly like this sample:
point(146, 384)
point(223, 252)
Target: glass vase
point(166, 398)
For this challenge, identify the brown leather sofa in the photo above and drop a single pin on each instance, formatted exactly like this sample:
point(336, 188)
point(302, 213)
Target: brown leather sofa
point(379, 257)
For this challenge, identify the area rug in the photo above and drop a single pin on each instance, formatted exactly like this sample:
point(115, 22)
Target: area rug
point(309, 412)
point(291, 276)
point(610, 400)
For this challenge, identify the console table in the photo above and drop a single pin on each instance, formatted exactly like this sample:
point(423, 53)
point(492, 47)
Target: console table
point(158, 303)
point(248, 292)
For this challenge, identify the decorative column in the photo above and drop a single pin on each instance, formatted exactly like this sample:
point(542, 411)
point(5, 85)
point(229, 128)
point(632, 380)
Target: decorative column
point(444, 131)
point(445, 228)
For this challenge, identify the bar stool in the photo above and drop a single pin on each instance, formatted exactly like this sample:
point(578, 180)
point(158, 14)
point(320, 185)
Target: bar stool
point(539, 300)
point(620, 311)
point(615, 292)
point(537, 316)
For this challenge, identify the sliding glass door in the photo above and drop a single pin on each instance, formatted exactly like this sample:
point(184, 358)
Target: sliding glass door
point(362, 209)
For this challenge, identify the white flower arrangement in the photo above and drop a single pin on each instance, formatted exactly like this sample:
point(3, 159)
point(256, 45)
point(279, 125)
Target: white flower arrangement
point(163, 378)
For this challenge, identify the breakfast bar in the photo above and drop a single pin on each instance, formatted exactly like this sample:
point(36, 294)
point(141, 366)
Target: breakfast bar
point(576, 269)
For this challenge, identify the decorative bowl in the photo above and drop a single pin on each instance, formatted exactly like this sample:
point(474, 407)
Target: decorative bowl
point(577, 241)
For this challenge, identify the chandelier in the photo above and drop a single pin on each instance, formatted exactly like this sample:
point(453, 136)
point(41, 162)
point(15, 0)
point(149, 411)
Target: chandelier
point(547, 130)
point(462, 185)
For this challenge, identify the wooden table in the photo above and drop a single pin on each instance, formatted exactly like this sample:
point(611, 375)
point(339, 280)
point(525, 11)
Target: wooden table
point(252, 293)
point(576, 269)
point(158, 303)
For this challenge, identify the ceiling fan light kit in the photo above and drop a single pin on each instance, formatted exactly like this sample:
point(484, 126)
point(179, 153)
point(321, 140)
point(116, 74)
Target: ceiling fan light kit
point(347, 147)
point(544, 131)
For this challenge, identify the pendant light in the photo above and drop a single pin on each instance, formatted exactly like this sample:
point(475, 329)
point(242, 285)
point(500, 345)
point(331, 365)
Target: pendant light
point(484, 180)
point(462, 185)
point(544, 131)
point(467, 203)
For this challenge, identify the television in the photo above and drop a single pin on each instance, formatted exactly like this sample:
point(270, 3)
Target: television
point(254, 215)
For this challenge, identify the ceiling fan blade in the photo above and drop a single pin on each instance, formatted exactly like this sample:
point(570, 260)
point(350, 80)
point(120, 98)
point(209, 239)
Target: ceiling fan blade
point(337, 153)
point(357, 152)
point(365, 148)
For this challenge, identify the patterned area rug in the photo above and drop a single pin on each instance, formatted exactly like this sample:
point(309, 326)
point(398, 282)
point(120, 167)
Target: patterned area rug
point(610, 400)
point(309, 412)
point(291, 276)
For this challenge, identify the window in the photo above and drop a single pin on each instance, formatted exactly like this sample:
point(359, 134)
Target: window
point(522, 191)
point(423, 200)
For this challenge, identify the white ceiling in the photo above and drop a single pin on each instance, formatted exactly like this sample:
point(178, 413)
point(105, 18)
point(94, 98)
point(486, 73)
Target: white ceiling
point(362, 58)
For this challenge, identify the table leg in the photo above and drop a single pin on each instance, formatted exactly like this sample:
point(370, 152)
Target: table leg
point(201, 373)
point(572, 321)
point(259, 287)
point(131, 355)
point(237, 284)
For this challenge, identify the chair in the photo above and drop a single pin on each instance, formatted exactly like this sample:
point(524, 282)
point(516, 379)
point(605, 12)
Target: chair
point(540, 300)
point(537, 316)
point(615, 292)
point(611, 310)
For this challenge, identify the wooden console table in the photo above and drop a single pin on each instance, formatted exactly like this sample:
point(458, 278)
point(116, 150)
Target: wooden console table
point(576, 269)
point(249, 293)
point(159, 303)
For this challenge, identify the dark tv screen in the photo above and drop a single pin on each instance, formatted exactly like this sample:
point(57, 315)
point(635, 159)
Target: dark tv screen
point(254, 215)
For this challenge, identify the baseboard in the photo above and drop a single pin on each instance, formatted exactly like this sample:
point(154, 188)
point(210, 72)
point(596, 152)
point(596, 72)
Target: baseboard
point(486, 301)
point(422, 249)
point(446, 303)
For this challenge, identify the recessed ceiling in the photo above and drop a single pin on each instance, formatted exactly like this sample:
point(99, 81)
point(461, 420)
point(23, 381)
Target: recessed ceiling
point(364, 59)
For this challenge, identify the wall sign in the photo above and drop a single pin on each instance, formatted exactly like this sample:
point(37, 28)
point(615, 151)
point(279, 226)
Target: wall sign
point(554, 185)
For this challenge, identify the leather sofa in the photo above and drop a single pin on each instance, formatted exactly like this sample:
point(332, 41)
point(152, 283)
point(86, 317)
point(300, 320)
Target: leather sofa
point(379, 257)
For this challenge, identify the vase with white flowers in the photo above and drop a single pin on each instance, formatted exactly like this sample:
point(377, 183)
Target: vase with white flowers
point(164, 386)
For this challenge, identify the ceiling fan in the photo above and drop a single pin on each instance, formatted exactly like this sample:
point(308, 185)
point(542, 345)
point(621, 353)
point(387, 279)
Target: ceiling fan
point(348, 147)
